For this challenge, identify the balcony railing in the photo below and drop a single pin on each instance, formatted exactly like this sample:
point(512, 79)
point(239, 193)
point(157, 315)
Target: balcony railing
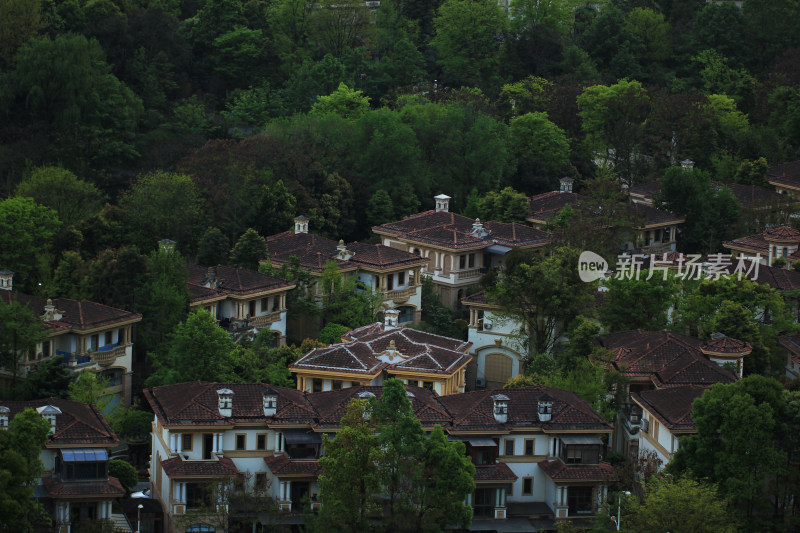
point(400, 295)
point(263, 320)
point(658, 247)
point(469, 274)
point(103, 357)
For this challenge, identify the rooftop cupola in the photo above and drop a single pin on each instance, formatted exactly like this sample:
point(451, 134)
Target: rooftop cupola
point(342, 252)
point(300, 224)
point(6, 279)
point(500, 407)
point(225, 398)
point(50, 312)
point(211, 280)
point(477, 229)
point(166, 245)
point(687, 164)
point(49, 413)
point(270, 402)
point(391, 318)
point(726, 352)
point(442, 203)
point(545, 407)
point(565, 184)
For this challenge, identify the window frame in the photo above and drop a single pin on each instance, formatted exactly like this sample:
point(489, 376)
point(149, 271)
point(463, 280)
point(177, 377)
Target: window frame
point(259, 438)
point(513, 447)
point(532, 443)
point(529, 491)
point(184, 436)
point(243, 442)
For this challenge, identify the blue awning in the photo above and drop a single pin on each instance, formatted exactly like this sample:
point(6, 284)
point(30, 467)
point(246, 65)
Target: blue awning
point(76, 455)
point(498, 249)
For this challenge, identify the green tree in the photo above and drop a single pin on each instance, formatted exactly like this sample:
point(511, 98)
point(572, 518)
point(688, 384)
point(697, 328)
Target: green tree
point(72, 199)
point(653, 30)
point(542, 291)
point(28, 229)
point(124, 472)
point(115, 276)
point(350, 479)
point(163, 297)
point(507, 205)
point(638, 303)
point(19, 22)
point(249, 250)
point(465, 41)
point(90, 388)
point(132, 424)
point(346, 102)
point(50, 378)
point(20, 447)
point(338, 26)
point(20, 332)
point(332, 333)
point(380, 208)
point(538, 143)
point(163, 205)
point(276, 209)
point(678, 505)
point(213, 248)
point(341, 301)
point(198, 349)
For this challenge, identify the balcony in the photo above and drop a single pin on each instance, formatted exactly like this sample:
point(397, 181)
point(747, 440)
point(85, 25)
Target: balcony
point(471, 273)
point(400, 296)
point(104, 357)
point(263, 320)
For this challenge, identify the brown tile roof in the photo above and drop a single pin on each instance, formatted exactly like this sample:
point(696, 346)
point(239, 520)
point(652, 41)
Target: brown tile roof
point(665, 357)
point(475, 410)
point(759, 243)
point(495, 472)
point(782, 233)
point(76, 315)
point(78, 423)
point(454, 231)
point(753, 196)
point(314, 252)
point(416, 351)
point(672, 406)
point(197, 402)
point(791, 343)
point(545, 206)
point(477, 298)
point(785, 174)
point(230, 281)
point(646, 190)
point(60, 489)
point(558, 471)
point(176, 466)
point(280, 465)
point(726, 345)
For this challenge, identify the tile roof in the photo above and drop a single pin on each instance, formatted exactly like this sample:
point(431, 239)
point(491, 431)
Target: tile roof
point(558, 471)
point(177, 466)
point(726, 345)
point(366, 351)
point(78, 423)
point(672, 406)
point(280, 465)
point(197, 403)
point(57, 488)
point(229, 281)
point(77, 315)
point(495, 472)
point(760, 241)
point(449, 230)
point(475, 410)
point(753, 196)
point(544, 206)
point(314, 252)
point(665, 357)
point(785, 174)
point(646, 190)
point(791, 343)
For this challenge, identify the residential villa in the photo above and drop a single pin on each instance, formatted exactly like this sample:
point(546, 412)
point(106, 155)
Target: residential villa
point(460, 249)
point(537, 451)
point(498, 353)
point(659, 361)
point(373, 353)
point(243, 301)
point(781, 241)
point(75, 486)
point(393, 273)
point(792, 345)
point(785, 178)
point(655, 230)
point(85, 335)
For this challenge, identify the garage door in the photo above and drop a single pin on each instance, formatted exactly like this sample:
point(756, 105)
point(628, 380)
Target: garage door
point(498, 369)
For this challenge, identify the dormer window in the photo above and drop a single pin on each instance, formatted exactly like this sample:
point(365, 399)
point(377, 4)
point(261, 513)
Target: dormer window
point(49, 413)
point(225, 402)
point(4, 412)
point(270, 402)
point(500, 407)
point(545, 408)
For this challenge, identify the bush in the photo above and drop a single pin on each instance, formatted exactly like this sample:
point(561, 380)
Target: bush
point(332, 333)
point(125, 472)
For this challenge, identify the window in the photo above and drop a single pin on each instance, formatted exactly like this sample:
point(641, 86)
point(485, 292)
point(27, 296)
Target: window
point(483, 455)
point(579, 500)
point(93, 343)
point(336, 384)
point(573, 455)
point(483, 502)
point(264, 305)
point(252, 310)
point(413, 382)
point(427, 385)
point(186, 442)
point(260, 482)
point(530, 446)
point(316, 385)
point(261, 441)
point(587, 454)
point(462, 262)
point(401, 278)
point(527, 486)
point(509, 447)
point(241, 440)
point(109, 338)
point(471, 260)
point(390, 282)
point(197, 495)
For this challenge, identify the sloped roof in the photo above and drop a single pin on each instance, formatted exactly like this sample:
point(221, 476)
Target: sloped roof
point(545, 206)
point(787, 174)
point(556, 470)
point(78, 423)
point(56, 488)
point(280, 465)
point(77, 315)
point(177, 466)
point(495, 472)
point(726, 344)
point(665, 357)
point(450, 230)
point(672, 406)
point(753, 196)
point(475, 410)
point(759, 242)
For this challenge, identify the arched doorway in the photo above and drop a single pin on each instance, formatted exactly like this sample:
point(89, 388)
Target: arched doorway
point(497, 370)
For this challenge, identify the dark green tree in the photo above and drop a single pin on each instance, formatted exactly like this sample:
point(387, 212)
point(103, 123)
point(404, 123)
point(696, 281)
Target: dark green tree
point(49, 378)
point(20, 332)
point(638, 303)
point(276, 209)
point(249, 250)
point(213, 248)
point(72, 199)
point(163, 297)
point(507, 205)
point(26, 239)
point(380, 208)
point(124, 472)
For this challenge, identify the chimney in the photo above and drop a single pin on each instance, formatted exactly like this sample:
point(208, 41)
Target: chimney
point(50, 311)
point(270, 401)
point(6, 279)
point(687, 164)
point(545, 407)
point(500, 407)
point(166, 245)
point(49, 413)
point(391, 318)
point(225, 402)
point(210, 280)
point(300, 224)
point(342, 252)
point(442, 203)
point(477, 228)
point(565, 184)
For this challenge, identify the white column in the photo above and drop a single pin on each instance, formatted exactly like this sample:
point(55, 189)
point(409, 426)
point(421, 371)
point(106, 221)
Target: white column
point(214, 443)
point(173, 442)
